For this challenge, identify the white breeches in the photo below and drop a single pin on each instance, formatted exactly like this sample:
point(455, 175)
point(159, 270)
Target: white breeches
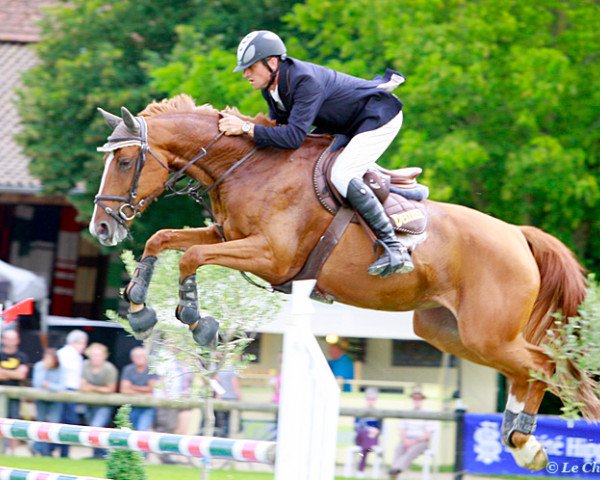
point(362, 152)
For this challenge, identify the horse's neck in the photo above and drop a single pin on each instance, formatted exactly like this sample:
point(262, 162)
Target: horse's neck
point(194, 145)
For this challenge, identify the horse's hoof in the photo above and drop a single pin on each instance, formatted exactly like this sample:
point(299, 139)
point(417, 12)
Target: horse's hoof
point(206, 331)
point(531, 455)
point(142, 322)
point(540, 461)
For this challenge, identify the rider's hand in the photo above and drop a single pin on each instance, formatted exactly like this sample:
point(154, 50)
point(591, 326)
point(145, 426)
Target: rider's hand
point(231, 125)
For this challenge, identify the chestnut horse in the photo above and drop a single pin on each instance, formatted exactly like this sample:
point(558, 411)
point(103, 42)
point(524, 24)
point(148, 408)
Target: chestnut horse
point(482, 289)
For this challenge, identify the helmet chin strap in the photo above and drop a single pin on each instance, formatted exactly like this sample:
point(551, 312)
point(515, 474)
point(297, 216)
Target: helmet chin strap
point(273, 72)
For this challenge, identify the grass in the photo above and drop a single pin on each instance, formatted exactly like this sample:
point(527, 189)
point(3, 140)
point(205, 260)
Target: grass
point(97, 468)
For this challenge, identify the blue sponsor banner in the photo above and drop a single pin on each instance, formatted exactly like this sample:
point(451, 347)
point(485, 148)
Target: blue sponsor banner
point(573, 448)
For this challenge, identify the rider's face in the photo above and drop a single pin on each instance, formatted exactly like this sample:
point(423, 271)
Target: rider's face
point(258, 74)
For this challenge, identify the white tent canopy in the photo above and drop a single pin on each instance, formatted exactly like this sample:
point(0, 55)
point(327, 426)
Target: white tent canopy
point(23, 283)
point(346, 321)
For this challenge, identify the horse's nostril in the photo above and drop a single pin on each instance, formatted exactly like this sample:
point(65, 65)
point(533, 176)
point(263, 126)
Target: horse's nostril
point(103, 230)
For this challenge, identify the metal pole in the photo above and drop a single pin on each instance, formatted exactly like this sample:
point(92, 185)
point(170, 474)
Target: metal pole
point(460, 434)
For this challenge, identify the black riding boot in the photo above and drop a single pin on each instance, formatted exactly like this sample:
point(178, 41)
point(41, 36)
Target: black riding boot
point(395, 257)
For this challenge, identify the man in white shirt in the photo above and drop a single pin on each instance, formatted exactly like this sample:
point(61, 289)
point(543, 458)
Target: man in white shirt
point(70, 358)
point(414, 438)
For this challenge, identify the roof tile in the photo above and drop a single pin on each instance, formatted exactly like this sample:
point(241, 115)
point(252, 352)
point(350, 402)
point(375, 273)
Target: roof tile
point(18, 19)
point(14, 173)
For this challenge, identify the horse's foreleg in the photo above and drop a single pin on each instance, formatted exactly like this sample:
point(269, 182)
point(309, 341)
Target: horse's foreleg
point(141, 318)
point(204, 329)
point(251, 254)
point(167, 239)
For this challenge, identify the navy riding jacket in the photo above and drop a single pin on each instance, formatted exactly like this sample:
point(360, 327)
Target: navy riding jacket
point(333, 102)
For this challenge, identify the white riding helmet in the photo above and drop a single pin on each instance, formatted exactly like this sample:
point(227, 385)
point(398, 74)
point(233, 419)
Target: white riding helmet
point(257, 46)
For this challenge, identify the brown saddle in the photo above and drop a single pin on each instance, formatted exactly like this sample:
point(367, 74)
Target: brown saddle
point(408, 216)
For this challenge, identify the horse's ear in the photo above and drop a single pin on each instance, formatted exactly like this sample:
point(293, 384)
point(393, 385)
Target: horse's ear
point(112, 120)
point(130, 121)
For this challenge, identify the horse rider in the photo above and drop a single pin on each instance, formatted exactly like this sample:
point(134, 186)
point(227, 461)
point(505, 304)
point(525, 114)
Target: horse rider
point(301, 94)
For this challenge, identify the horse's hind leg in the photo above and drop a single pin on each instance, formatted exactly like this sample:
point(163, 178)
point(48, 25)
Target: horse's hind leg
point(518, 425)
point(492, 330)
point(438, 327)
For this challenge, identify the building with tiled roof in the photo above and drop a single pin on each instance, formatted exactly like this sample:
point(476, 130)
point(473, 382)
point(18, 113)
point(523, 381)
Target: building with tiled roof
point(38, 232)
point(15, 58)
point(18, 20)
point(18, 30)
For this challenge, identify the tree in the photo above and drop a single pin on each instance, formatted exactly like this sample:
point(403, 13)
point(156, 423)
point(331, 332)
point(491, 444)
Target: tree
point(499, 101)
point(125, 464)
point(96, 53)
point(223, 293)
point(575, 341)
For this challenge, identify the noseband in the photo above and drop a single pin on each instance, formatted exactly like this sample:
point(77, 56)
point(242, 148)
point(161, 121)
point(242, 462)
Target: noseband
point(129, 209)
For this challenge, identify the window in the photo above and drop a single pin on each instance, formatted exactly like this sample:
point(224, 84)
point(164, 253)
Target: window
point(416, 353)
point(253, 347)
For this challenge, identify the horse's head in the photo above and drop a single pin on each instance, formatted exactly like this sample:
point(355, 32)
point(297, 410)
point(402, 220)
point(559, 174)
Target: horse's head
point(133, 177)
point(137, 165)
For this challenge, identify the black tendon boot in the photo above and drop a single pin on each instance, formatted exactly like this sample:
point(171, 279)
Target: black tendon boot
point(395, 257)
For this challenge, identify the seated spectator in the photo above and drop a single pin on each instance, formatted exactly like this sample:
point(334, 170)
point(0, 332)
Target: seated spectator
point(70, 359)
point(341, 364)
point(14, 367)
point(414, 437)
point(175, 382)
point(368, 430)
point(275, 381)
point(47, 375)
point(98, 376)
point(229, 380)
point(136, 379)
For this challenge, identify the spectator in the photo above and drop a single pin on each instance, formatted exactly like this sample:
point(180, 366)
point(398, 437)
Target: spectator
point(136, 379)
point(99, 376)
point(341, 364)
point(414, 437)
point(70, 359)
point(275, 381)
point(367, 430)
point(14, 367)
point(175, 382)
point(47, 375)
point(229, 380)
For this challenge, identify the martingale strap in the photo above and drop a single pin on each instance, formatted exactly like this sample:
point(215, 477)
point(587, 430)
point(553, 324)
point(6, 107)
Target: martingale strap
point(319, 255)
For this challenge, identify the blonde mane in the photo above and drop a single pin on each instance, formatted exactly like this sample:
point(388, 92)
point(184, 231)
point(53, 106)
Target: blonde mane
point(260, 119)
point(183, 103)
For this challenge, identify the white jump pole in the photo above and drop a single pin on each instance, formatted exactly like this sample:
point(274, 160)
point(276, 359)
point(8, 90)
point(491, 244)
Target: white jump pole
point(309, 401)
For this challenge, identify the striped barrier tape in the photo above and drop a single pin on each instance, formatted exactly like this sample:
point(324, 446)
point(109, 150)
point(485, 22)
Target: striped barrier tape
point(9, 473)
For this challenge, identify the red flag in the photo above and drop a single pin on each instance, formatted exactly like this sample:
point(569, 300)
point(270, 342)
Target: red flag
point(24, 307)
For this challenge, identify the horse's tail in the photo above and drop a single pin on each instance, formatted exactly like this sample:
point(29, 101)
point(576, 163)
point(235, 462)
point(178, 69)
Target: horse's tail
point(562, 288)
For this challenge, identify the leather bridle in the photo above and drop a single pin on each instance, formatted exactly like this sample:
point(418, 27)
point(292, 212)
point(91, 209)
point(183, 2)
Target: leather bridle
point(129, 209)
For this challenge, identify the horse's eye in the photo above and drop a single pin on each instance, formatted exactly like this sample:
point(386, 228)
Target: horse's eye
point(125, 163)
